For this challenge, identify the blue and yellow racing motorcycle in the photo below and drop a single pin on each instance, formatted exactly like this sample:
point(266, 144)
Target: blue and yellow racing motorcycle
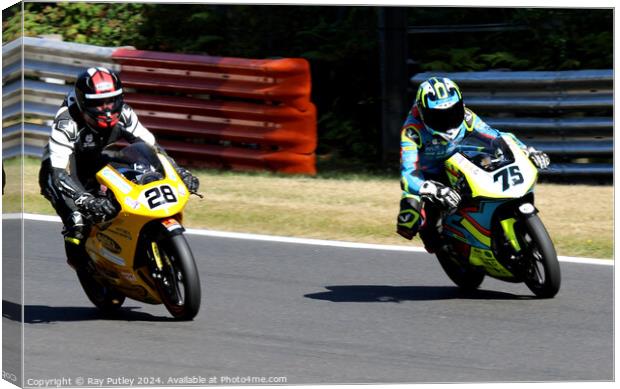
point(495, 230)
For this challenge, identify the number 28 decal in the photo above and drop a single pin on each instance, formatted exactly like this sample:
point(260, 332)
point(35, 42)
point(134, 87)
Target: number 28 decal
point(506, 175)
point(160, 195)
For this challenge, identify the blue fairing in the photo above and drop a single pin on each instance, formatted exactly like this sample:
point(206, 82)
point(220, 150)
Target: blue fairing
point(481, 217)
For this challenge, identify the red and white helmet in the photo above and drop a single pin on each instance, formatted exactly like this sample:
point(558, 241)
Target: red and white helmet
point(99, 95)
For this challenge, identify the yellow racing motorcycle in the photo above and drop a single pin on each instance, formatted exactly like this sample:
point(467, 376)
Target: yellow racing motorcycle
point(141, 253)
point(495, 230)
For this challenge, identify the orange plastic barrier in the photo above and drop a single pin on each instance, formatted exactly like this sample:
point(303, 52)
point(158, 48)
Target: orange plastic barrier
point(281, 80)
point(240, 159)
point(269, 127)
point(232, 113)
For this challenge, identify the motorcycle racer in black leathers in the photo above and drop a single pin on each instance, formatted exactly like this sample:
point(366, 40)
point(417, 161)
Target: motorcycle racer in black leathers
point(90, 118)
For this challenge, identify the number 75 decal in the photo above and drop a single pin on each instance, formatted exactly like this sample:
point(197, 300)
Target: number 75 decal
point(506, 175)
point(160, 195)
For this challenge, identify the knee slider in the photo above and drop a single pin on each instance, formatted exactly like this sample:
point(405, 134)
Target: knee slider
point(409, 217)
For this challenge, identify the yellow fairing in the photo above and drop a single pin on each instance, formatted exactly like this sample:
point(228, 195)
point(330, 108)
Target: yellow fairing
point(512, 181)
point(485, 258)
point(452, 171)
point(155, 200)
point(113, 245)
point(485, 240)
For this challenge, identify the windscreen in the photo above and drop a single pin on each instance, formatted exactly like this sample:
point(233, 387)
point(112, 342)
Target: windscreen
point(137, 162)
point(485, 152)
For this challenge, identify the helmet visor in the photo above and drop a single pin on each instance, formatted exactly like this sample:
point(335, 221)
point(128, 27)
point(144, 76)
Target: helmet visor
point(445, 119)
point(104, 106)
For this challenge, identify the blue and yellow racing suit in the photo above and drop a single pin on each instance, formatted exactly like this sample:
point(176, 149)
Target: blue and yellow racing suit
point(423, 154)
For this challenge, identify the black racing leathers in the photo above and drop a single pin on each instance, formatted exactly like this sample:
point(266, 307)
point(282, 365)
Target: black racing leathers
point(72, 158)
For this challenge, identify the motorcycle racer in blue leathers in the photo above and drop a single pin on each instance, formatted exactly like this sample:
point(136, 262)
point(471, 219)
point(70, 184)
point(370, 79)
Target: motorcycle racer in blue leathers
point(436, 124)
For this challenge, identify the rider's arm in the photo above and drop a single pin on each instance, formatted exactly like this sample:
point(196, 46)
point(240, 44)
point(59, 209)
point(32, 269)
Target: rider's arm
point(538, 157)
point(61, 145)
point(411, 175)
point(474, 122)
point(134, 130)
point(412, 180)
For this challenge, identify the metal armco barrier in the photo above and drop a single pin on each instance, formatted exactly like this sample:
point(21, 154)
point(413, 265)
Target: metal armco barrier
point(567, 114)
point(47, 65)
point(50, 58)
point(243, 114)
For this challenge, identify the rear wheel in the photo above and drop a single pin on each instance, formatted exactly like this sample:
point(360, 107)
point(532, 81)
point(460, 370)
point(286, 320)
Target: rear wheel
point(543, 275)
point(178, 282)
point(468, 278)
point(103, 297)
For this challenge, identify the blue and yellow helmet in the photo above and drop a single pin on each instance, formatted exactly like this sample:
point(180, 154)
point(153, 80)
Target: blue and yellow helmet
point(440, 104)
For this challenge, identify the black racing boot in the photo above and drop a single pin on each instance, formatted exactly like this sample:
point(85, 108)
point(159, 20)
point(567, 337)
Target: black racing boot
point(406, 233)
point(75, 240)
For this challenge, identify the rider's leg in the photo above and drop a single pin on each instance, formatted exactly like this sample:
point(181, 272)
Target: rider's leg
point(423, 217)
point(409, 217)
point(75, 227)
point(429, 231)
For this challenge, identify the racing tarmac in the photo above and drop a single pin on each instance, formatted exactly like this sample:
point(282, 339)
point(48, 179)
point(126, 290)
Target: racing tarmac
point(314, 315)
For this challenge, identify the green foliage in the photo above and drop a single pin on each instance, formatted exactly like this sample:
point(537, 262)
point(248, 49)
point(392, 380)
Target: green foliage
point(565, 39)
point(345, 69)
point(11, 23)
point(453, 60)
point(340, 42)
point(532, 39)
point(103, 24)
point(504, 59)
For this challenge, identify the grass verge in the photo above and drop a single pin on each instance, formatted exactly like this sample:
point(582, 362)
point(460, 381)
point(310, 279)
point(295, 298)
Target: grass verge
point(348, 208)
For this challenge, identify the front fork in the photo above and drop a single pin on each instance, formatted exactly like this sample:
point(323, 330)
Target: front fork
point(171, 227)
point(508, 226)
point(164, 273)
point(525, 210)
point(157, 256)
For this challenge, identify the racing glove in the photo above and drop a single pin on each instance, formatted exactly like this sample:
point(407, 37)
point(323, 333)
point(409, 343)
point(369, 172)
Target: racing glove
point(440, 194)
point(191, 182)
point(539, 158)
point(98, 209)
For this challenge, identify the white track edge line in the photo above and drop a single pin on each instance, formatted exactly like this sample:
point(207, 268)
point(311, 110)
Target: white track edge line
point(315, 242)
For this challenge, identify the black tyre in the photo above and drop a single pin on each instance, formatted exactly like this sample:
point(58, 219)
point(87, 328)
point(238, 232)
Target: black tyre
point(179, 284)
point(103, 297)
point(543, 276)
point(468, 278)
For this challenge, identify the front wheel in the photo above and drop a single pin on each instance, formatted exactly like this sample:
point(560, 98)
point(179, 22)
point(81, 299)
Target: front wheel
point(177, 282)
point(543, 274)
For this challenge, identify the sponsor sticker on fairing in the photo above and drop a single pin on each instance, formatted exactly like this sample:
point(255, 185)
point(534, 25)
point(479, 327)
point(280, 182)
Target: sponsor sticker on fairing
point(116, 180)
point(171, 224)
point(182, 190)
point(133, 204)
point(112, 258)
point(128, 276)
